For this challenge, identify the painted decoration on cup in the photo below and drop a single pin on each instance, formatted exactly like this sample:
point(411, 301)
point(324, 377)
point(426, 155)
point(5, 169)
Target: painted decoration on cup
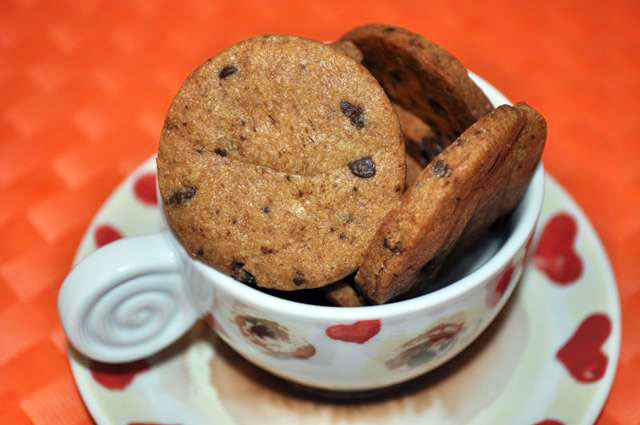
point(496, 289)
point(556, 254)
point(437, 340)
point(273, 338)
point(358, 332)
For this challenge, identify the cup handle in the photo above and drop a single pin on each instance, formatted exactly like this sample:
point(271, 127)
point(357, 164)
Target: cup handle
point(127, 300)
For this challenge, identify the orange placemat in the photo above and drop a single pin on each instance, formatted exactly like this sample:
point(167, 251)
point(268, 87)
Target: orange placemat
point(85, 85)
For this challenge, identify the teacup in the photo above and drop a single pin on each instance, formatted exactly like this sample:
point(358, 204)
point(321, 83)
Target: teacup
point(133, 297)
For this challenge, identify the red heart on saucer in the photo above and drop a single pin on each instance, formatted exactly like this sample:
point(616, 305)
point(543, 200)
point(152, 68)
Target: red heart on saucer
point(556, 255)
point(549, 422)
point(145, 189)
point(358, 332)
point(582, 354)
point(117, 376)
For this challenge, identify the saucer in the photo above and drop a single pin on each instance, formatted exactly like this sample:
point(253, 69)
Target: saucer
point(549, 358)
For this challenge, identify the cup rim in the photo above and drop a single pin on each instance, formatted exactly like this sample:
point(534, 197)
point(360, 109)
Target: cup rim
point(528, 210)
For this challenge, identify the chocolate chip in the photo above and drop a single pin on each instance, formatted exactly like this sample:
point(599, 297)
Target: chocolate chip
point(389, 29)
point(355, 189)
point(180, 196)
point(363, 167)
point(353, 112)
point(265, 210)
point(298, 278)
point(288, 177)
point(200, 252)
point(397, 188)
point(300, 194)
point(437, 108)
point(331, 229)
point(227, 70)
point(273, 120)
point(342, 237)
point(440, 168)
point(266, 250)
point(396, 249)
point(239, 273)
point(220, 151)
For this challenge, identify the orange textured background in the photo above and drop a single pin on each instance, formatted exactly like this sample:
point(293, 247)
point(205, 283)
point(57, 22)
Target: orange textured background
point(85, 86)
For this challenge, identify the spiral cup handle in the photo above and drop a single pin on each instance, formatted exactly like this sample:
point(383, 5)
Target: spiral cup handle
point(127, 300)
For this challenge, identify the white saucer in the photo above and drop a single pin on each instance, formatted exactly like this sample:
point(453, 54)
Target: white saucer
point(514, 374)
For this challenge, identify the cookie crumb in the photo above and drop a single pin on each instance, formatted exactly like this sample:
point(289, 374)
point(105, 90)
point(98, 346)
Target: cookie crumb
point(265, 210)
point(266, 250)
point(363, 167)
point(200, 252)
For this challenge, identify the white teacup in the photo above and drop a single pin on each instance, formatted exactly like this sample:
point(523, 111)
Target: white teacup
point(135, 296)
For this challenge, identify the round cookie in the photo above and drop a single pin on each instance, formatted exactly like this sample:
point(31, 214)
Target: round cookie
point(512, 178)
point(277, 162)
point(507, 185)
point(435, 210)
point(422, 77)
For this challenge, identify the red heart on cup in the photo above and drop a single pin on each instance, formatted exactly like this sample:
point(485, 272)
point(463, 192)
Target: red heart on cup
point(549, 422)
point(358, 332)
point(106, 233)
point(117, 376)
point(497, 289)
point(556, 255)
point(582, 354)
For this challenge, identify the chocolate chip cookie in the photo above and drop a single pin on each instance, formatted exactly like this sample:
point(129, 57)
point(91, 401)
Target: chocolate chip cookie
point(277, 162)
point(422, 78)
point(511, 179)
point(436, 209)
